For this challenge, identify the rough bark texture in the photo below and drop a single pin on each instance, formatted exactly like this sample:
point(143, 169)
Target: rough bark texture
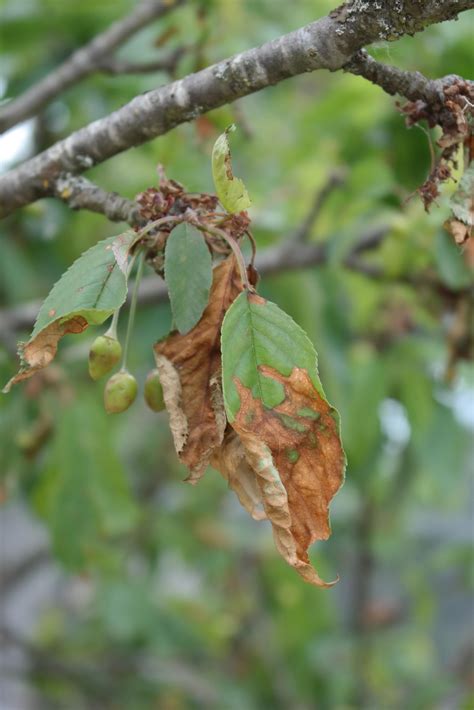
point(327, 43)
point(79, 193)
point(412, 85)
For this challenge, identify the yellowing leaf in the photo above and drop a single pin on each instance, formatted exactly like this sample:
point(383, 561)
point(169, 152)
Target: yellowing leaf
point(230, 190)
point(83, 494)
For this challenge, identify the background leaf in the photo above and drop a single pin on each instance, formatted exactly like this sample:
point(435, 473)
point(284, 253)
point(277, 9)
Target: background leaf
point(453, 269)
point(83, 494)
point(188, 274)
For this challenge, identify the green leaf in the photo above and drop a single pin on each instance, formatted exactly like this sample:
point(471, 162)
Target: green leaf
point(188, 275)
point(462, 202)
point(452, 267)
point(94, 286)
point(83, 496)
point(86, 294)
point(255, 333)
point(230, 190)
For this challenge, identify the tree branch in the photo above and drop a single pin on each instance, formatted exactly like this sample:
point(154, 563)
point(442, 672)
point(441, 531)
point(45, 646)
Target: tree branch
point(81, 194)
point(302, 233)
point(83, 62)
point(412, 85)
point(327, 43)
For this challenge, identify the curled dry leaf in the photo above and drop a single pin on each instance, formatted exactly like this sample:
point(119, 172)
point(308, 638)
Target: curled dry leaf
point(296, 453)
point(230, 460)
point(40, 352)
point(190, 372)
point(288, 431)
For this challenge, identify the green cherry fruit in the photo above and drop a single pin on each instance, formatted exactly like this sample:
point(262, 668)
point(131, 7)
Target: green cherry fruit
point(104, 354)
point(120, 392)
point(154, 392)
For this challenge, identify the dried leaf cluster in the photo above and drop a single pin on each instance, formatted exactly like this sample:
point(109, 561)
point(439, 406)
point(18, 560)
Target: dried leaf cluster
point(454, 114)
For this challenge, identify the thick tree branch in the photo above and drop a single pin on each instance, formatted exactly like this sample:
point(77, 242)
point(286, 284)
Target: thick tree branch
point(327, 43)
point(83, 62)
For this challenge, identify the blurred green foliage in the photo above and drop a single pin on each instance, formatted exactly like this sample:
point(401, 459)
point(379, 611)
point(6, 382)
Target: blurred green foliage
point(188, 604)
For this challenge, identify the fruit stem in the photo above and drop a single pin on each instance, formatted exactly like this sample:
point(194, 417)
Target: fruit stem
point(112, 331)
point(133, 308)
point(235, 249)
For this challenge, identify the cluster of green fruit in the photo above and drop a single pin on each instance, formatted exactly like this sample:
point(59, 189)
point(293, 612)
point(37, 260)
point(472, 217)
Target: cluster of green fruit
point(121, 389)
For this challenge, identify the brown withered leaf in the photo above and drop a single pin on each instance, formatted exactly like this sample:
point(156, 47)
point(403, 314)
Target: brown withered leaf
point(230, 460)
point(460, 231)
point(38, 353)
point(296, 453)
point(190, 373)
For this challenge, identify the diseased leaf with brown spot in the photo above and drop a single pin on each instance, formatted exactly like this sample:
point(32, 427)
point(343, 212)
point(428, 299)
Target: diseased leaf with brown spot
point(275, 403)
point(40, 352)
point(93, 287)
point(190, 372)
point(297, 455)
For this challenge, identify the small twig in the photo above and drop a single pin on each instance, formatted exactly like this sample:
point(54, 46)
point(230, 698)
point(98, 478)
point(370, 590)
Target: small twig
point(235, 249)
point(79, 193)
point(10, 576)
point(410, 84)
point(83, 62)
point(133, 307)
point(363, 579)
point(303, 232)
point(99, 676)
point(253, 246)
point(168, 63)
